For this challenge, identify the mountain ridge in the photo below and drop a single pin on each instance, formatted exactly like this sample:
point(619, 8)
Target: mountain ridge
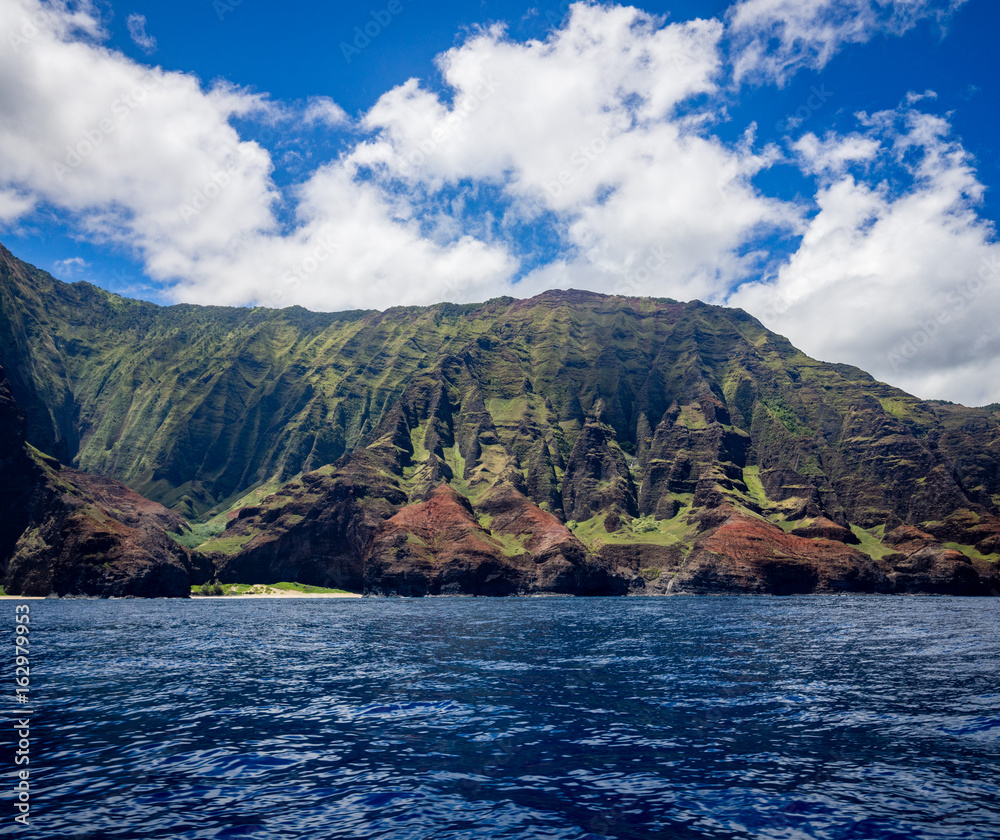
point(625, 431)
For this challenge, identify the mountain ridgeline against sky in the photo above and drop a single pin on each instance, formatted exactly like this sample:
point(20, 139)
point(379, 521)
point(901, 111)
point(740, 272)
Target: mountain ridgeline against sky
point(570, 443)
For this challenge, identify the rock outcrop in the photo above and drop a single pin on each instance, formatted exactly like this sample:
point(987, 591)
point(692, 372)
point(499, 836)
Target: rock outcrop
point(743, 554)
point(64, 532)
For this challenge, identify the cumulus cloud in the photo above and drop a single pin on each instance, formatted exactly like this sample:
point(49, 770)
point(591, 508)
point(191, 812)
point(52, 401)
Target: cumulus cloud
point(122, 148)
point(14, 205)
point(352, 248)
point(150, 159)
point(833, 153)
point(601, 141)
point(321, 110)
point(589, 127)
point(900, 276)
point(586, 129)
point(773, 39)
point(69, 267)
point(137, 32)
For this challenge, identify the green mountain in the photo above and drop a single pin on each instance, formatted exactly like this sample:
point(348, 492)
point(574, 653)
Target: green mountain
point(67, 532)
point(572, 442)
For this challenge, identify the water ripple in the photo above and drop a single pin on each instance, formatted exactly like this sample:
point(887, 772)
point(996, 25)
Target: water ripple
point(832, 718)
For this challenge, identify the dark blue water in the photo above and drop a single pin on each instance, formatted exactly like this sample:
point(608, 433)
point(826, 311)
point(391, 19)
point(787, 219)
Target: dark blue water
point(517, 718)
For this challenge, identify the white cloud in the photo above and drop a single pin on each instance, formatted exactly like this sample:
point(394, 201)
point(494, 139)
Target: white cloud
point(321, 110)
point(149, 159)
point(833, 153)
point(121, 147)
point(14, 205)
point(589, 126)
point(901, 279)
point(137, 32)
point(69, 267)
point(773, 39)
point(604, 136)
point(912, 98)
point(352, 248)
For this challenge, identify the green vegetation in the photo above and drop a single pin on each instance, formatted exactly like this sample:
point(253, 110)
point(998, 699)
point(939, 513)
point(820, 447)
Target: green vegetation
point(972, 552)
point(751, 477)
point(237, 589)
point(199, 533)
point(506, 411)
point(645, 525)
point(898, 408)
point(512, 545)
point(692, 417)
point(453, 458)
point(286, 586)
point(871, 541)
point(784, 415)
point(417, 434)
point(227, 545)
point(651, 531)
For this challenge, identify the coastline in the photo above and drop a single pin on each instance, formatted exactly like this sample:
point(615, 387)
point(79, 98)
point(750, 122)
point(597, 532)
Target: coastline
point(276, 595)
point(247, 597)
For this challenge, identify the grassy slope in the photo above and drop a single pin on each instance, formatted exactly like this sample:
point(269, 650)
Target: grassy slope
point(237, 589)
point(208, 409)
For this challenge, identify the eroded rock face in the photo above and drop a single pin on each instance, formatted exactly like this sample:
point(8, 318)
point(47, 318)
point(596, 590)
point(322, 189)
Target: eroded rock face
point(449, 499)
point(920, 565)
point(561, 563)
point(827, 529)
point(18, 475)
point(743, 554)
point(437, 547)
point(68, 533)
point(73, 551)
point(597, 477)
point(601, 444)
point(315, 531)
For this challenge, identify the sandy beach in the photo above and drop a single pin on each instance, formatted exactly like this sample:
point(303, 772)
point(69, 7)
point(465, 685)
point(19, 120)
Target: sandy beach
point(276, 594)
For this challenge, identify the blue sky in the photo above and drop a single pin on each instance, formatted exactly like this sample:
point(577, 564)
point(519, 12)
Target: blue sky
point(829, 165)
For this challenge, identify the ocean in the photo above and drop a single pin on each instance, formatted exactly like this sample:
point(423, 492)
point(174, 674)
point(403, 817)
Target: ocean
point(555, 718)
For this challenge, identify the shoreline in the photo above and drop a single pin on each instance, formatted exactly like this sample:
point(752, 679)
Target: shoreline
point(535, 596)
point(247, 597)
point(275, 595)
